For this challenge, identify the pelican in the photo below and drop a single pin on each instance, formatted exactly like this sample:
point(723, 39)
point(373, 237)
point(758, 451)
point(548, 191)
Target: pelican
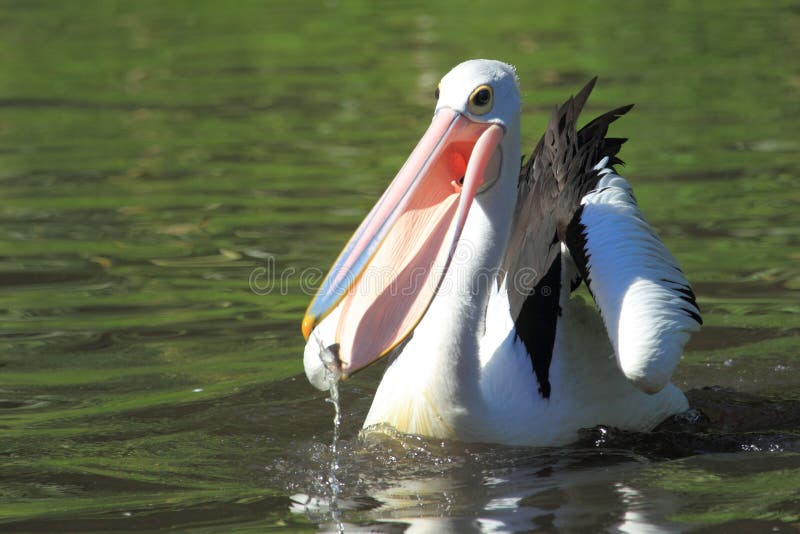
point(463, 275)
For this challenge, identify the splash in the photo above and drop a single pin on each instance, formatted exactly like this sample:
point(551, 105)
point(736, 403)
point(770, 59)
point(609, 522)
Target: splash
point(332, 376)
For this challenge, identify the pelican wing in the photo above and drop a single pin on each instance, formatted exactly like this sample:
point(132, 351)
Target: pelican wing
point(559, 172)
point(569, 193)
point(648, 306)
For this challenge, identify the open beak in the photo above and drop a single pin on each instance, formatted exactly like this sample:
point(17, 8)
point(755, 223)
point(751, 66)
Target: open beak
point(391, 269)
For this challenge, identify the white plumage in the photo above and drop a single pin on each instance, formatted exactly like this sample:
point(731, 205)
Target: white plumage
point(637, 284)
point(467, 370)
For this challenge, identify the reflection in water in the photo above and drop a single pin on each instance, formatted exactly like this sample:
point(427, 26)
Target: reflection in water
point(438, 487)
point(611, 480)
point(601, 484)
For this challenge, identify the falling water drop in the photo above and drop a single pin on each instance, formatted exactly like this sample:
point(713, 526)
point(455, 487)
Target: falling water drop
point(332, 376)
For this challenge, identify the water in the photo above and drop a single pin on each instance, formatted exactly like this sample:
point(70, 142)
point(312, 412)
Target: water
point(174, 176)
point(333, 481)
point(331, 378)
point(327, 507)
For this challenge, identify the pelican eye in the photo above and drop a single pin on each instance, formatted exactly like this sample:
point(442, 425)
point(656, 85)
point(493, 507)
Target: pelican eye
point(436, 93)
point(480, 101)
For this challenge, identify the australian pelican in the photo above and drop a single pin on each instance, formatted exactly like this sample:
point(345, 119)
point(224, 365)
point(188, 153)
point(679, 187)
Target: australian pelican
point(463, 273)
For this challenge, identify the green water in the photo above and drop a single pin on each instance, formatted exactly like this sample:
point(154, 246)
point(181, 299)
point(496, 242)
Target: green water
point(169, 170)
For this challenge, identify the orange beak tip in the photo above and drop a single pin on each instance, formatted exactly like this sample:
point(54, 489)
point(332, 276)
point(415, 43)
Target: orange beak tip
point(307, 326)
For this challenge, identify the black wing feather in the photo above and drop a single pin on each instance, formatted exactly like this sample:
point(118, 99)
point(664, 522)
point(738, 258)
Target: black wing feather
point(559, 172)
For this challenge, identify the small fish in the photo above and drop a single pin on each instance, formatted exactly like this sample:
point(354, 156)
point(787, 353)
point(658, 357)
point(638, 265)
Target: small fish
point(330, 359)
point(325, 376)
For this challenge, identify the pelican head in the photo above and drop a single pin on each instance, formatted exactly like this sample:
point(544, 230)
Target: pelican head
point(390, 271)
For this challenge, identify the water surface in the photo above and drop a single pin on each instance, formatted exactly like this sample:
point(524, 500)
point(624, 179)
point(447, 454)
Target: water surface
point(174, 175)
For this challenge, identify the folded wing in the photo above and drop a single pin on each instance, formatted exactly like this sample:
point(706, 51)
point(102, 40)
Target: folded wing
point(647, 305)
point(570, 194)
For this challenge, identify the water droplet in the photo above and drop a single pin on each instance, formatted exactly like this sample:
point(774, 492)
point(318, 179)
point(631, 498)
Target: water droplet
point(332, 376)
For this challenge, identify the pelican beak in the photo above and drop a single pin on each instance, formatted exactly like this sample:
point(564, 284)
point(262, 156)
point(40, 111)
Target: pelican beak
point(391, 269)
